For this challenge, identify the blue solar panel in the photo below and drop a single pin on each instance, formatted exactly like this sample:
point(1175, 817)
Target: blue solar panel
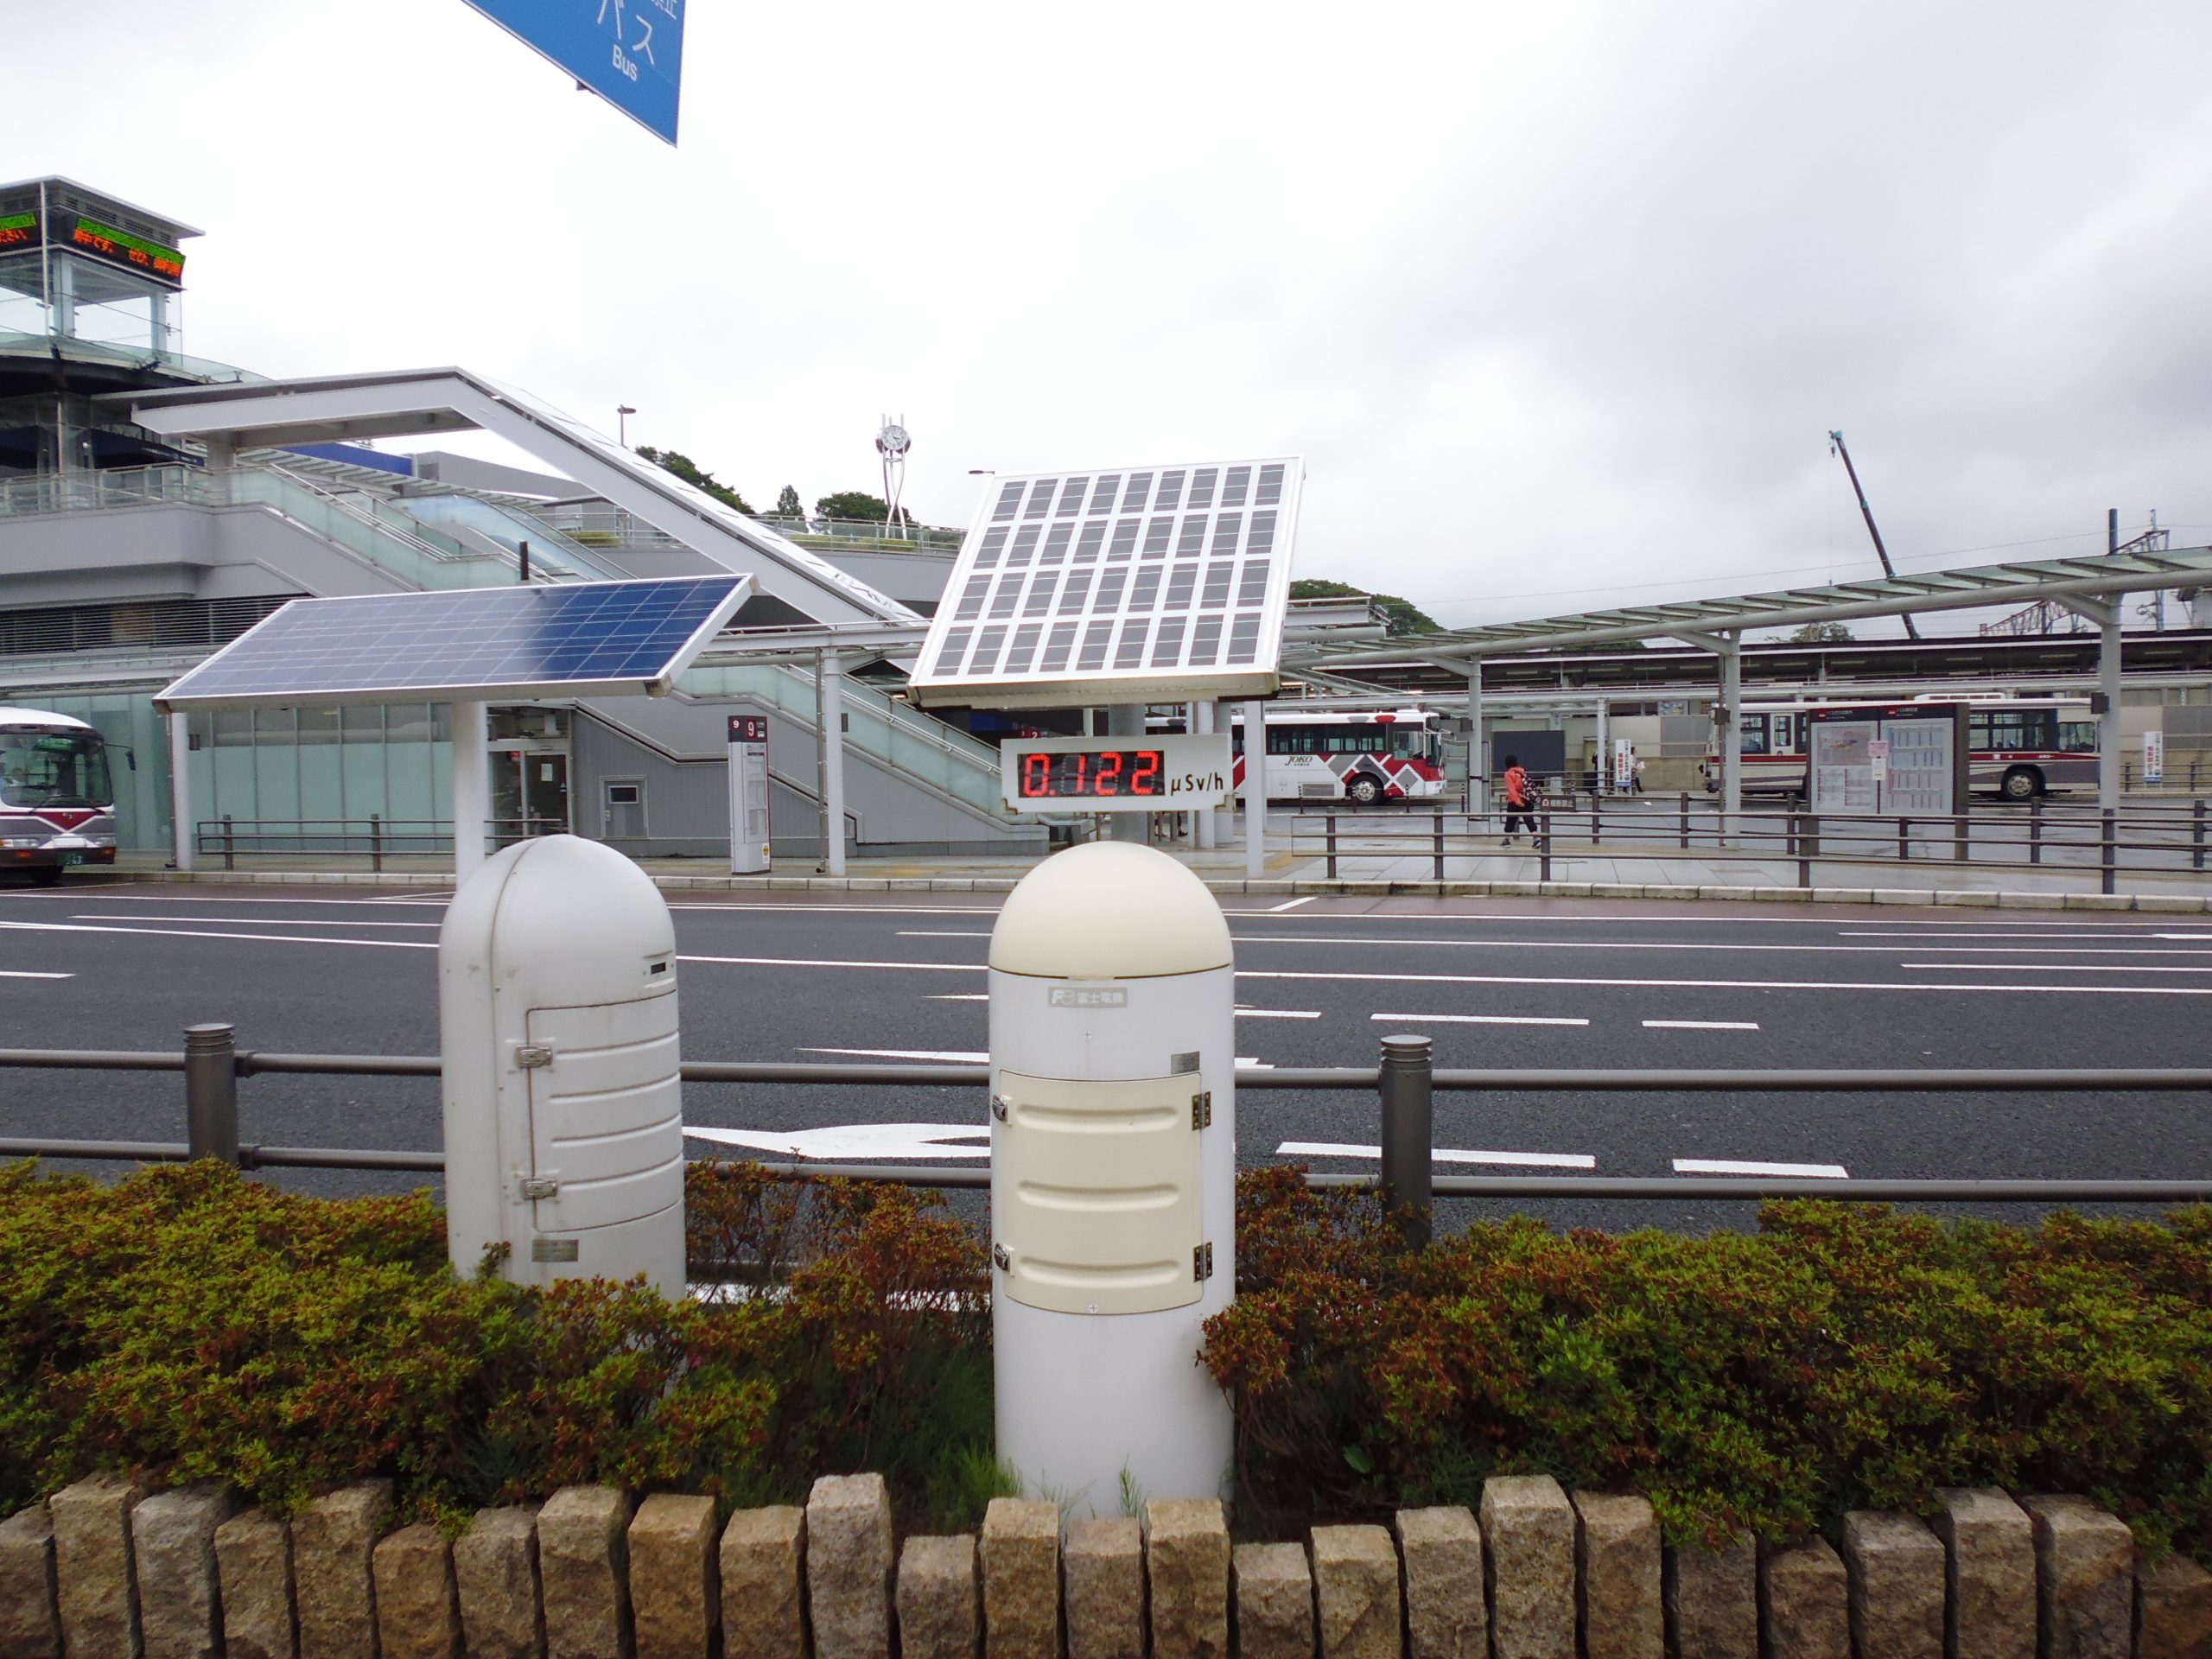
point(438, 646)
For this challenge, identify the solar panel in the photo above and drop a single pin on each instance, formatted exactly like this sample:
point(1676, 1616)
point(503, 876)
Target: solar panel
point(605, 636)
point(1139, 584)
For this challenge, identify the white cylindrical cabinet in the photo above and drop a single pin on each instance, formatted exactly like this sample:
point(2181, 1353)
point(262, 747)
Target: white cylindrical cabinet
point(1113, 1176)
point(562, 1095)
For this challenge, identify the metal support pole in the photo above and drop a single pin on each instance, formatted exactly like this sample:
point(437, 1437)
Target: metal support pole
point(1685, 820)
point(1601, 775)
point(1407, 1128)
point(211, 1091)
point(833, 760)
point(1802, 848)
point(1544, 847)
point(182, 827)
point(1438, 846)
point(1329, 824)
point(1477, 751)
point(230, 844)
point(1959, 847)
point(1256, 790)
point(2035, 830)
point(2109, 850)
point(1202, 820)
point(1597, 821)
point(1732, 732)
point(1904, 839)
point(472, 787)
point(376, 841)
point(2196, 826)
point(2108, 732)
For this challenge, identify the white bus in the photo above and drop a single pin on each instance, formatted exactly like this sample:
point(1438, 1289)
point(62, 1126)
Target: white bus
point(2017, 747)
point(57, 800)
point(1392, 754)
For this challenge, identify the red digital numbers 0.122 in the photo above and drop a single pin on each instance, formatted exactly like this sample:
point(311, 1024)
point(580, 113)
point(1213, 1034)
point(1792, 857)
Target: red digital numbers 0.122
point(1091, 775)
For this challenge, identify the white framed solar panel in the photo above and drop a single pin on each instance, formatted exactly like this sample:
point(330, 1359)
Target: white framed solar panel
point(1121, 585)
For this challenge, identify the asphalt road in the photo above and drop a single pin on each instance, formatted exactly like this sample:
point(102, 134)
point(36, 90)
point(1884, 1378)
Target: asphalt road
point(1498, 983)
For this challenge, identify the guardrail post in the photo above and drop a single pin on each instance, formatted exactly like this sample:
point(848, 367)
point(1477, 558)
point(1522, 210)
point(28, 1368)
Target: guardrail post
point(2196, 825)
point(1959, 831)
point(211, 1091)
point(375, 842)
point(1597, 823)
point(1407, 1125)
point(1330, 824)
point(1802, 848)
point(1904, 841)
point(1685, 820)
point(2035, 830)
point(1544, 846)
point(1439, 846)
point(230, 844)
point(2109, 851)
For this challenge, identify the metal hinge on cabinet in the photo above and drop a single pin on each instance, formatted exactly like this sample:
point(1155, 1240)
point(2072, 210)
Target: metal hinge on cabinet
point(529, 1056)
point(1202, 1262)
point(541, 1187)
point(1002, 1257)
point(1202, 1110)
point(1000, 1105)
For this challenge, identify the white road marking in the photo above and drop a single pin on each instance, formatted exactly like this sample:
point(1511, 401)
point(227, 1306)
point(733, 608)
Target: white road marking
point(1720, 984)
point(2182, 936)
point(1278, 1014)
point(2038, 967)
point(1733, 1166)
point(854, 1142)
point(1441, 1155)
point(975, 1056)
point(256, 921)
point(837, 962)
point(1482, 1019)
point(25, 973)
point(196, 933)
point(956, 996)
point(1700, 1025)
point(1677, 945)
point(1290, 904)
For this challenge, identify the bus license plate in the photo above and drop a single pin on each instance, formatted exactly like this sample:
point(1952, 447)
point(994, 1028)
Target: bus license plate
point(69, 860)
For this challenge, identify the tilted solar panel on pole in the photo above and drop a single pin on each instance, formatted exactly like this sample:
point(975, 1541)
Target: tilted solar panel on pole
point(573, 638)
point(1134, 584)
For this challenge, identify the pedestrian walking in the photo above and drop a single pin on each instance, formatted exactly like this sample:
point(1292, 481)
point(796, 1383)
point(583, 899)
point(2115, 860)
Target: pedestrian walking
point(1635, 771)
point(1517, 804)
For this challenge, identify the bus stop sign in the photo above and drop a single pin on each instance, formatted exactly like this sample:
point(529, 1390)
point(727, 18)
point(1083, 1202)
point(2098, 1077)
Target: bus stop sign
point(630, 52)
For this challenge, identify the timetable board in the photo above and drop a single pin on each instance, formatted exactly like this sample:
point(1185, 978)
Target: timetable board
point(1126, 585)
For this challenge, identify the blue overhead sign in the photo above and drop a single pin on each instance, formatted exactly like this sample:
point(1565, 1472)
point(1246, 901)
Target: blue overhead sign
point(630, 52)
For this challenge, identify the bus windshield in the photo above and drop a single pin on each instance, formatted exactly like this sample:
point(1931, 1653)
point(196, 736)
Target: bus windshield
point(54, 769)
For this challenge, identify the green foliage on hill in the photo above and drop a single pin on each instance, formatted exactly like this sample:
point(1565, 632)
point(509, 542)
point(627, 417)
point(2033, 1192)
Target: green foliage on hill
point(860, 507)
point(1401, 615)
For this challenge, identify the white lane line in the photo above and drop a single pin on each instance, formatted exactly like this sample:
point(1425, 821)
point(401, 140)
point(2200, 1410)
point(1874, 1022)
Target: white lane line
point(1441, 1155)
point(1482, 1019)
point(1700, 1025)
point(944, 934)
point(1292, 904)
point(974, 1056)
point(1715, 984)
point(838, 962)
point(254, 921)
point(2182, 936)
point(1674, 945)
point(2038, 967)
point(1733, 1167)
point(197, 934)
point(956, 996)
point(854, 1142)
point(1278, 1014)
point(25, 973)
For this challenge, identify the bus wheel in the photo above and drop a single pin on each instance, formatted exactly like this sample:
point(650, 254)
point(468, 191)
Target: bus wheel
point(45, 875)
point(2021, 783)
point(1363, 791)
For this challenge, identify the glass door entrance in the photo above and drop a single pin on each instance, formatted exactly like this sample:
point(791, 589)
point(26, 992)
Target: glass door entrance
point(529, 793)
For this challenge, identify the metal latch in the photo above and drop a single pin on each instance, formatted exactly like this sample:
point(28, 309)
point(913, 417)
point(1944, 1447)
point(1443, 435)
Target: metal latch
point(529, 1056)
point(1202, 1109)
point(540, 1186)
point(1000, 1106)
point(1003, 1257)
point(1202, 1262)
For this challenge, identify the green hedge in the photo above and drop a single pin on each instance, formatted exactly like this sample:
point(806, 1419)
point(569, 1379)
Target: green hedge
point(1846, 1357)
point(190, 1322)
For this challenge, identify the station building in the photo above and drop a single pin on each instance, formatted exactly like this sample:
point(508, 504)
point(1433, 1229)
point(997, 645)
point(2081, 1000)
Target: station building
point(154, 505)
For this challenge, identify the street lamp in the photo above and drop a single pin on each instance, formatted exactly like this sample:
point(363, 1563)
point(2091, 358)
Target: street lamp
point(622, 413)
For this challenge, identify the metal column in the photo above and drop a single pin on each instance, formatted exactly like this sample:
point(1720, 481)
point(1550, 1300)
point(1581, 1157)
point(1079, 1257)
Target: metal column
point(1477, 751)
point(180, 828)
point(832, 713)
point(1256, 790)
point(472, 787)
point(1202, 820)
point(1728, 719)
point(2109, 729)
point(1603, 780)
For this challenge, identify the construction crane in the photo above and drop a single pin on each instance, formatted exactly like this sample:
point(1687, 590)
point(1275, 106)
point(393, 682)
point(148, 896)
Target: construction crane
point(1835, 447)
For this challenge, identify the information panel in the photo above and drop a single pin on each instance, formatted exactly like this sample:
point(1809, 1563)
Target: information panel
point(1902, 758)
point(1179, 773)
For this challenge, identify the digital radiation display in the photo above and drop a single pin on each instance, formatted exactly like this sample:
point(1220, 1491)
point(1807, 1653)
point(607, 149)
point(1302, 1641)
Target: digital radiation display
point(1178, 773)
point(1087, 775)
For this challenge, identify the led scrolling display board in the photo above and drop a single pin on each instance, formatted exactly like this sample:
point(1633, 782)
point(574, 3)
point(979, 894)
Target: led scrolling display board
point(1134, 584)
point(132, 252)
point(18, 231)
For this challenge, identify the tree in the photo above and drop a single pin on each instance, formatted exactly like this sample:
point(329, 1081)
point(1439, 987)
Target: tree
point(787, 504)
point(1820, 634)
point(688, 470)
point(860, 507)
point(1400, 615)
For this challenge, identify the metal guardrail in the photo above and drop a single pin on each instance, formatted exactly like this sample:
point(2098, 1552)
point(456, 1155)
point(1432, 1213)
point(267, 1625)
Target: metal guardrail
point(2103, 835)
point(376, 834)
point(1405, 1082)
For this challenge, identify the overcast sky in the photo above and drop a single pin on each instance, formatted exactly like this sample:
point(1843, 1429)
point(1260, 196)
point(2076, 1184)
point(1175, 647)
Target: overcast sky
point(1559, 301)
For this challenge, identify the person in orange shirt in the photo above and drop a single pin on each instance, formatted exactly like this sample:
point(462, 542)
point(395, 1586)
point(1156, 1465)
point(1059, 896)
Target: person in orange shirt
point(1517, 801)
